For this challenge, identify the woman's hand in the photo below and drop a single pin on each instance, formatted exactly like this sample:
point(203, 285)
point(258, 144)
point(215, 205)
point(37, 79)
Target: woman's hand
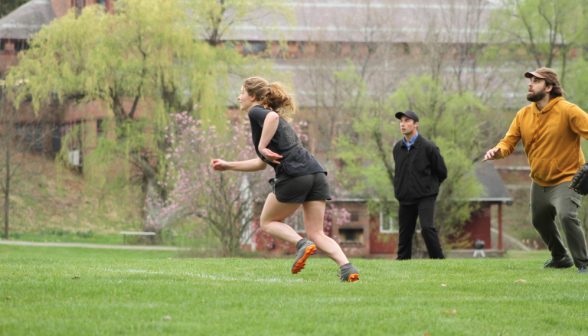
point(218, 164)
point(270, 156)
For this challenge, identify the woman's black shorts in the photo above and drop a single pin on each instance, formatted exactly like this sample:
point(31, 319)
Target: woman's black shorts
point(300, 189)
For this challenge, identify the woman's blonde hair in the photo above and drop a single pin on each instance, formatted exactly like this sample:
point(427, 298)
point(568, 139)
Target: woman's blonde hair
point(273, 96)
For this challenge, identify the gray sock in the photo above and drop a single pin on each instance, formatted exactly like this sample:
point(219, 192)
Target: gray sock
point(346, 266)
point(300, 243)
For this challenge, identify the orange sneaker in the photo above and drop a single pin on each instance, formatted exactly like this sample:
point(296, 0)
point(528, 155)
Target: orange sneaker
point(305, 249)
point(349, 273)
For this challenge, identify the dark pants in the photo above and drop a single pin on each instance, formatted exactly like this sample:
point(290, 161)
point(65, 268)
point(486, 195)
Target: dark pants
point(561, 201)
point(425, 210)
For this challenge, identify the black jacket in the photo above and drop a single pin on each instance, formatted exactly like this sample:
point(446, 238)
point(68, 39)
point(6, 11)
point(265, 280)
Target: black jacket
point(418, 172)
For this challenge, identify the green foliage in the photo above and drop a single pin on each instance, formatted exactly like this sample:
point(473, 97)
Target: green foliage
point(140, 63)
point(457, 118)
point(454, 205)
point(577, 82)
point(450, 120)
point(543, 30)
point(142, 52)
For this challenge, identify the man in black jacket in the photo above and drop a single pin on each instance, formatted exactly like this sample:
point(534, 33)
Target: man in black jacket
point(420, 169)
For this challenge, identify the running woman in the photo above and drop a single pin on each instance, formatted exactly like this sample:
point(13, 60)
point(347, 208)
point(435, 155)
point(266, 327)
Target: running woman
point(300, 179)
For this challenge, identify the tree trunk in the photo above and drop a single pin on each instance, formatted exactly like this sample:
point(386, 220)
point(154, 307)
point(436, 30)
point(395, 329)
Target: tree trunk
point(150, 193)
point(563, 67)
point(7, 194)
point(6, 208)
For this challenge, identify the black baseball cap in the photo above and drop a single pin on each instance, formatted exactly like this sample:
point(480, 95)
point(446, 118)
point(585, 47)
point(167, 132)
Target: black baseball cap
point(408, 113)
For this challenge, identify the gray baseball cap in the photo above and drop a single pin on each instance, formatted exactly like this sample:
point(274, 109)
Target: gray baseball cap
point(409, 114)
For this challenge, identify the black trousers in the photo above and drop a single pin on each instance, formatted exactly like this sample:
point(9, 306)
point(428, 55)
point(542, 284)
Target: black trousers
point(425, 210)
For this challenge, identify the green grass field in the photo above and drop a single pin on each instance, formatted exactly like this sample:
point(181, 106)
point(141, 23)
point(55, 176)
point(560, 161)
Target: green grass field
point(87, 291)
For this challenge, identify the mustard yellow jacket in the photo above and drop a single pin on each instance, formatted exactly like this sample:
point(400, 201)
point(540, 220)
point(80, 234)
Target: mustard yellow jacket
point(551, 139)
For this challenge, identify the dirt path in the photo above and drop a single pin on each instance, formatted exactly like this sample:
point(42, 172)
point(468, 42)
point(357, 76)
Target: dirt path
point(122, 247)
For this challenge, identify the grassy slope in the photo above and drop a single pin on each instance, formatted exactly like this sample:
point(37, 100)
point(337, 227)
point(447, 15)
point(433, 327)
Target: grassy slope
point(59, 205)
point(56, 199)
point(259, 297)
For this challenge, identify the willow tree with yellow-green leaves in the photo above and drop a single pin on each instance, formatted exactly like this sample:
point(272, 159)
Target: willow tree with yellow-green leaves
point(142, 62)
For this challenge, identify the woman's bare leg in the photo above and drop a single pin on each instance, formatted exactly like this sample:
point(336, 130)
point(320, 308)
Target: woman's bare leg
point(272, 219)
point(314, 215)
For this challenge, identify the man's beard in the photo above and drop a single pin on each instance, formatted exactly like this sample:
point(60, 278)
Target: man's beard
point(535, 97)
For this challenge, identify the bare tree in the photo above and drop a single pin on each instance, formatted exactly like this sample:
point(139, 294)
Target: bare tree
point(380, 53)
point(546, 29)
point(453, 49)
point(20, 137)
point(337, 75)
point(214, 19)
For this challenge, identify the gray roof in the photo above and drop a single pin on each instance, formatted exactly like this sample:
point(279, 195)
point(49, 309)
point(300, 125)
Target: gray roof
point(396, 21)
point(493, 188)
point(27, 20)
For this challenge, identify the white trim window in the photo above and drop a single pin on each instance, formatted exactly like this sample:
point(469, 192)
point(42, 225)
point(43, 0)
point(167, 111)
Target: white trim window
point(387, 224)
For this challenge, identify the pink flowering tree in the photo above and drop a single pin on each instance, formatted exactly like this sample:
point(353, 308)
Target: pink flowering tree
point(222, 200)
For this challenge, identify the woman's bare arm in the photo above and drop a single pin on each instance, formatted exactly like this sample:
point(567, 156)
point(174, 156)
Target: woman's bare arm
point(270, 126)
point(243, 166)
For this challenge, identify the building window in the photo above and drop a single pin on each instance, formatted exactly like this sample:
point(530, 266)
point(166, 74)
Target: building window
point(2, 47)
point(79, 4)
point(351, 236)
point(354, 216)
point(253, 47)
point(302, 48)
point(102, 3)
point(99, 127)
point(329, 49)
point(284, 50)
point(406, 49)
point(387, 224)
point(355, 49)
point(32, 135)
point(73, 142)
point(21, 45)
point(56, 139)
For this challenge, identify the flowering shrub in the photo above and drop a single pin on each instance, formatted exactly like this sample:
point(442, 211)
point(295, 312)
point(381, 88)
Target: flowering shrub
point(223, 200)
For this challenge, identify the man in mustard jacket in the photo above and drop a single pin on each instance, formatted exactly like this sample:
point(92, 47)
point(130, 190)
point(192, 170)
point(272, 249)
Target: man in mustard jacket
point(550, 129)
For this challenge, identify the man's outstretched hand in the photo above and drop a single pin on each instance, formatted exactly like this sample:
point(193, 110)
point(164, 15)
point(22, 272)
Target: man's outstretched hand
point(491, 154)
point(270, 156)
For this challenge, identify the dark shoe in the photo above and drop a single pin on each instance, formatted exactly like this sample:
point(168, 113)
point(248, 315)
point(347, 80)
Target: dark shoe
point(349, 273)
point(583, 270)
point(305, 249)
point(567, 262)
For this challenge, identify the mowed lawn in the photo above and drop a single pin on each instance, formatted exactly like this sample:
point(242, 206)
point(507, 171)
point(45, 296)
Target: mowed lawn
point(68, 294)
